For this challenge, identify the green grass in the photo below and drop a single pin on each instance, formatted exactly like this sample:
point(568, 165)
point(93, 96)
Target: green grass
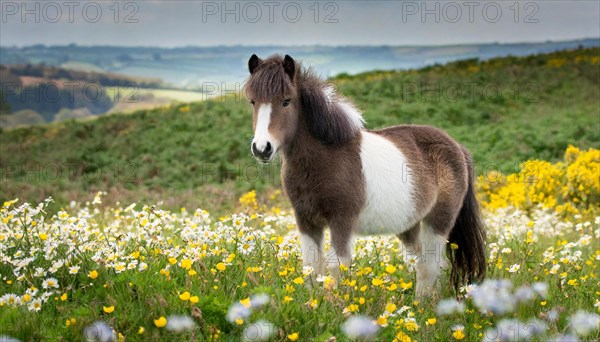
point(534, 108)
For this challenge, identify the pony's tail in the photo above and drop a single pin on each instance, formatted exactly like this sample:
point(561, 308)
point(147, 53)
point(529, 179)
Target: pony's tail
point(469, 259)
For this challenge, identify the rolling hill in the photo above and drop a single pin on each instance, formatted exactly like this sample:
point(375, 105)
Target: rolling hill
point(505, 110)
point(192, 67)
point(37, 94)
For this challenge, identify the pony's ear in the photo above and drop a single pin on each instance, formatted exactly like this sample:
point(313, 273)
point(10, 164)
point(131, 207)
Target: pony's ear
point(326, 120)
point(253, 62)
point(289, 66)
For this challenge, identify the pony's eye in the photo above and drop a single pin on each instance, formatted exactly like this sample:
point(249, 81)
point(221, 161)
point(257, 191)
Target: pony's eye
point(286, 102)
point(252, 102)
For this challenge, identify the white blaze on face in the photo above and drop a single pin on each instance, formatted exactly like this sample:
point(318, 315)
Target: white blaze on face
point(261, 134)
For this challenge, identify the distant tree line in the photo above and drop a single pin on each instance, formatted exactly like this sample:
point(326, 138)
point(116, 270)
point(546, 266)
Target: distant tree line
point(103, 79)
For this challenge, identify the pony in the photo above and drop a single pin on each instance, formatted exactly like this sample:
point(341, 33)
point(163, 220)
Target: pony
point(412, 181)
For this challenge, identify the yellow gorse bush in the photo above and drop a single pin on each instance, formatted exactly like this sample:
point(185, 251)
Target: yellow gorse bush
point(559, 62)
point(556, 62)
point(569, 187)
point(583, 175)
point(593, 60)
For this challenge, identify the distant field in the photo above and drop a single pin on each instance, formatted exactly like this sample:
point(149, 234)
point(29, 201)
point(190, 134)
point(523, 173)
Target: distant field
point(146, 99)
point(177, 95)
point(36, 94)
point(81, 66)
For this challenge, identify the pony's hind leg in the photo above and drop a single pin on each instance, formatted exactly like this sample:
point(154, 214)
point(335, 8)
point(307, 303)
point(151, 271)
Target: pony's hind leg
point(424, 250)
point(431, 261)
point(410, 239)
point(433, 236)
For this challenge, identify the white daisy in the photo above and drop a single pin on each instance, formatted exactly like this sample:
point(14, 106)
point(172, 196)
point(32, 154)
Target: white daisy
point(50, 282)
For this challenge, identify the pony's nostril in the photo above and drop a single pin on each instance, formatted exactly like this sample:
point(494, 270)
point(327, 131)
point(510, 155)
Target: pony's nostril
point(262, 153)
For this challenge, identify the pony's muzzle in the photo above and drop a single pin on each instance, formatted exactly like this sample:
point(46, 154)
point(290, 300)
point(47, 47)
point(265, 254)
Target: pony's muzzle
point(265, 154)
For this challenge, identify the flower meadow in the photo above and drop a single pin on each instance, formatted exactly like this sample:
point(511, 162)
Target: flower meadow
point(141, 273)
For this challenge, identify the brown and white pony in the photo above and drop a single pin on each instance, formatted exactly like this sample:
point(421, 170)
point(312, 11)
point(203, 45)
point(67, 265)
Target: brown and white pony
point(412, 181)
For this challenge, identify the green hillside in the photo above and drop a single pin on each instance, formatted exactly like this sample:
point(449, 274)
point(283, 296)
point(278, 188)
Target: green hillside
point(504, 110)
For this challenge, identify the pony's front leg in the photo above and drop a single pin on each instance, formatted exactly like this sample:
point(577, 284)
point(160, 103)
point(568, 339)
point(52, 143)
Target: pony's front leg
point(340, 252)
point(311, 242)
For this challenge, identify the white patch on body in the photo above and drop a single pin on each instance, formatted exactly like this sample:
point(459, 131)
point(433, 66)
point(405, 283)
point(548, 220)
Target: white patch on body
point(261, 134)
point(390, 205)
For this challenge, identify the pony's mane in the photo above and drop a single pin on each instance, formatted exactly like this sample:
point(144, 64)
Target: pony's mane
point(269, 81)
point(331, 118)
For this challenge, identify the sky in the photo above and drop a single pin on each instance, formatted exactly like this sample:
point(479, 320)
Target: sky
point(209, 23)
